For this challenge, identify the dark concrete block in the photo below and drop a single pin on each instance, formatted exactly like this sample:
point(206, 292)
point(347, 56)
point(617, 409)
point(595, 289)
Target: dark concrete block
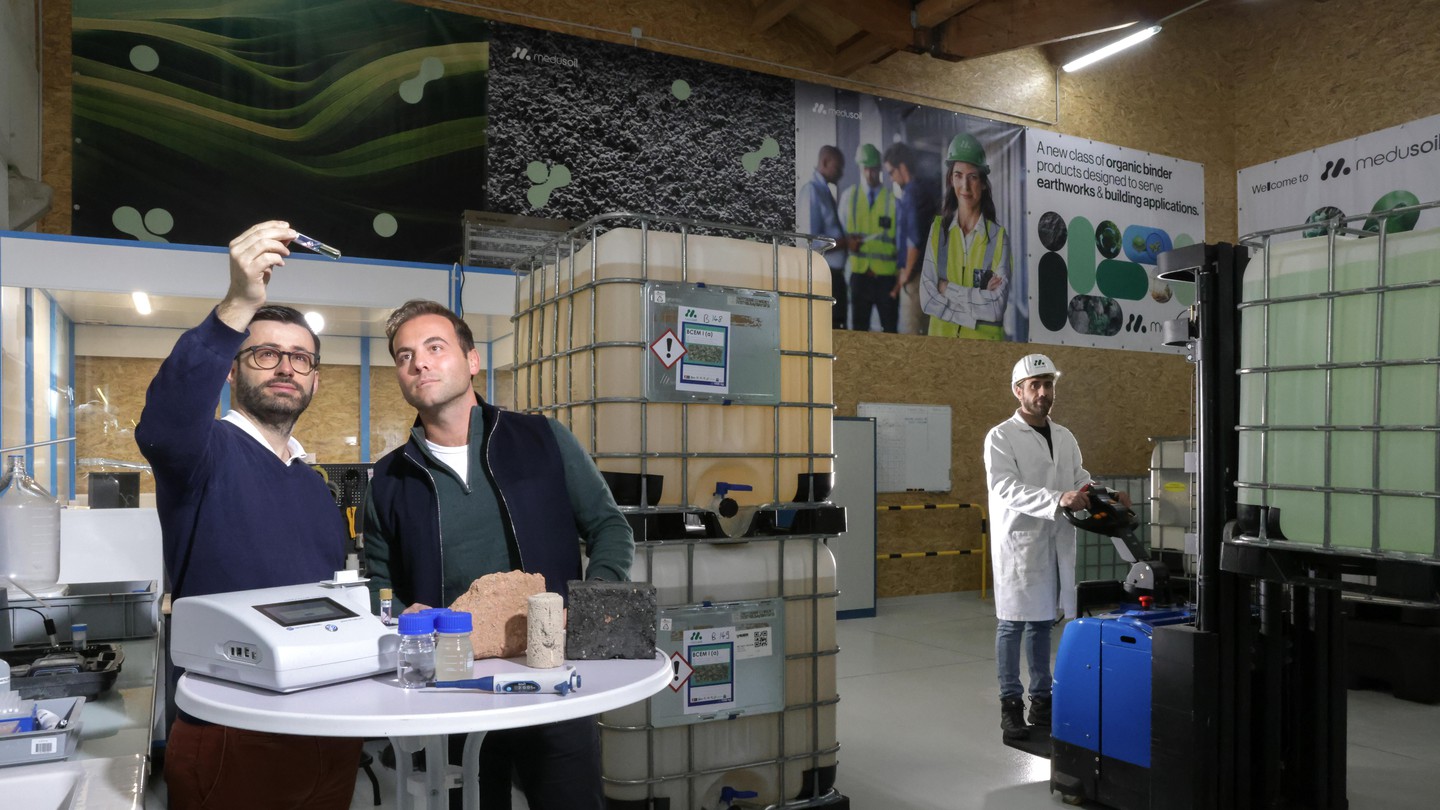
point(610, 620)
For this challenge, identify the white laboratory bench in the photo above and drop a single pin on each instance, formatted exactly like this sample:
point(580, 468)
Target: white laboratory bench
point(110, 766)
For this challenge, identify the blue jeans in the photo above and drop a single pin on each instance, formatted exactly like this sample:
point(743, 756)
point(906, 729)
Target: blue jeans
point(1035, 637)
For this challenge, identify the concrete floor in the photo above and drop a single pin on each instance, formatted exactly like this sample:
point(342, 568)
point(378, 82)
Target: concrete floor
point(918, 719)
point(919, 715)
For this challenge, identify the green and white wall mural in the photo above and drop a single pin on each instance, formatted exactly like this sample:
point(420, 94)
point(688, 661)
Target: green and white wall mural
point(360, 122)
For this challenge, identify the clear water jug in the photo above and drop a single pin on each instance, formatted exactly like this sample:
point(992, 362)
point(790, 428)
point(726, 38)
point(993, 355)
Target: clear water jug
point(29, 533)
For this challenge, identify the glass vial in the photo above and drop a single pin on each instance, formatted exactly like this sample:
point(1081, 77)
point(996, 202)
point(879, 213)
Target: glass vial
point(453, 653)
point(415, 665)
point(79, 637)
point(387, 597)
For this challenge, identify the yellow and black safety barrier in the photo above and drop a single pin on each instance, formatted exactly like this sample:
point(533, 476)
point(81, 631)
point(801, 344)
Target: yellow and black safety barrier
point(908, 554)
point(983, 550)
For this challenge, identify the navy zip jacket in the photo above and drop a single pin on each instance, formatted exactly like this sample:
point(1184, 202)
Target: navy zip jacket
point(520, 459)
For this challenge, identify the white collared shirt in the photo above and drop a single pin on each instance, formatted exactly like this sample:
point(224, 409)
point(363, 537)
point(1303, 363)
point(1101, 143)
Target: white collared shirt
point(968, 239)
point(240, 420)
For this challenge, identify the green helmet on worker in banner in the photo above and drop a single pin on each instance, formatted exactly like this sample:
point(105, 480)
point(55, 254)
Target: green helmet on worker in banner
point(965, 148)
point(867, 156)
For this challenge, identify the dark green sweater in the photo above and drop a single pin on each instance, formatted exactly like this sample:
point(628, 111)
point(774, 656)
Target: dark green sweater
point(480, 547)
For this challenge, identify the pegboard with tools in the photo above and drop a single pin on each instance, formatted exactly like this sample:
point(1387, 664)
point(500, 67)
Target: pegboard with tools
point(347, 483)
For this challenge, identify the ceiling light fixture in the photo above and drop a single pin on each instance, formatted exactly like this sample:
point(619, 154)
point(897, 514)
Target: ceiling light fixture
point(1129, 41)
point(142, 302)
point(1112, 49)
point(316, 321)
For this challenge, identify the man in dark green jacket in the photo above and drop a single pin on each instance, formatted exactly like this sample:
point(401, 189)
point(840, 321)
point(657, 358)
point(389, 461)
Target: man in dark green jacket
point(478, 490)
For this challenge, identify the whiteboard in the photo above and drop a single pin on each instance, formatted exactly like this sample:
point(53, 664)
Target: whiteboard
point(912, 446)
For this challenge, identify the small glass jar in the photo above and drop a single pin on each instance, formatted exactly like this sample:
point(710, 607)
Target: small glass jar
point(415, 664)
point(79, 637)
point(454, 655)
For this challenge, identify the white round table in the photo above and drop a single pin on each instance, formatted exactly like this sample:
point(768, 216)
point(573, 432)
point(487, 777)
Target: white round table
point(419, 718)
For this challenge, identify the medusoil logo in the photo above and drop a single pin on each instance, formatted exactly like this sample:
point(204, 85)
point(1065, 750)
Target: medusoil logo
point(526, 55)
point(1401, 152)
point(1334, 168)
point(821, 109)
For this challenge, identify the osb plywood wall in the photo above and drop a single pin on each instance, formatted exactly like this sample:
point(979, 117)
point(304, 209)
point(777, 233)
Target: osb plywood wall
point(1308, 74)
point(1230, 84)
point(109, 395)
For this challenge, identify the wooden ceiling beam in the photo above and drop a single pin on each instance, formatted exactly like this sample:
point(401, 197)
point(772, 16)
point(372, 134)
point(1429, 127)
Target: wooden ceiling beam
point(887, 19)
point(995, 26)
point(931, 13)
point(770, 12)
point(860, 52)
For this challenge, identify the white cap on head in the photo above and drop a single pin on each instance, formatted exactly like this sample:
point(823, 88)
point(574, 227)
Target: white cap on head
point(1033, 365)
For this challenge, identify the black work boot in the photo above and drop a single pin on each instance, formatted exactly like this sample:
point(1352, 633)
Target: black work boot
point(1012, 718)
point(1040, 710)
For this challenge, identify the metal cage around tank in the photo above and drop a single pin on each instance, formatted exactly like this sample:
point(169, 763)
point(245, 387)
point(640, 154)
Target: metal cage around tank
point(562, 355)
point(582, 342)
point(1338, 345)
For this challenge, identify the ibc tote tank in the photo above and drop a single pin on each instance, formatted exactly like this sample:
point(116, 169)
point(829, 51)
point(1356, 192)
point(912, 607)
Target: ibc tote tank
point(582, 345)
point(679, 763)
point(1338, 390)
point(584, 328)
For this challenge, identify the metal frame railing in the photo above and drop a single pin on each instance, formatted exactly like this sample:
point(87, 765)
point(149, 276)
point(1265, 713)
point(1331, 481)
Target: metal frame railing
point(1335, 228)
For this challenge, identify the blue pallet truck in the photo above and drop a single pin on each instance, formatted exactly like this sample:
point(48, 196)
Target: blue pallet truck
point(1101, 733)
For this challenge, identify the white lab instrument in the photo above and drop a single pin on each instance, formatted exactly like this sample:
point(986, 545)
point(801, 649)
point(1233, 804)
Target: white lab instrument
point(284, 639)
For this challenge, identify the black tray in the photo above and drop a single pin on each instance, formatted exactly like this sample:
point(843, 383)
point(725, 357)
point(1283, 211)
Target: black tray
point(63, 671)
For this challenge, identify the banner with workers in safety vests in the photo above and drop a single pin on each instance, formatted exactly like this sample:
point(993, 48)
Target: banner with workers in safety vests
point(924, 206)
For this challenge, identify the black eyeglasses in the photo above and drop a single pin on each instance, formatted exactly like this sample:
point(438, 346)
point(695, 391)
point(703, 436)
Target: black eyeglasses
point(266, 358)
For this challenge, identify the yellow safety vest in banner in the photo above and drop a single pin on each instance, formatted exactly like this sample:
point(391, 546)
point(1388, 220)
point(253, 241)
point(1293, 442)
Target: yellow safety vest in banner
point(877, 251)
point(958, 266)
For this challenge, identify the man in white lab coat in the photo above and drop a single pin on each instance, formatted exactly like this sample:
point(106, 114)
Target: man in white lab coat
point(1033, 468)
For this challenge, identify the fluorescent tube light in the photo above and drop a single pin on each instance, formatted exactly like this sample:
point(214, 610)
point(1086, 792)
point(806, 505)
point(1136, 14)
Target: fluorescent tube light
point(142, 302)
point(1112, 49)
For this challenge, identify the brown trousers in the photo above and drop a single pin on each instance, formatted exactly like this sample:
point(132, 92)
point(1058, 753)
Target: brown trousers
point(218, 768)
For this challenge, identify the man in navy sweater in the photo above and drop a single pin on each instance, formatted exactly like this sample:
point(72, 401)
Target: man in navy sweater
point(240, 509)
point(478, 490)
